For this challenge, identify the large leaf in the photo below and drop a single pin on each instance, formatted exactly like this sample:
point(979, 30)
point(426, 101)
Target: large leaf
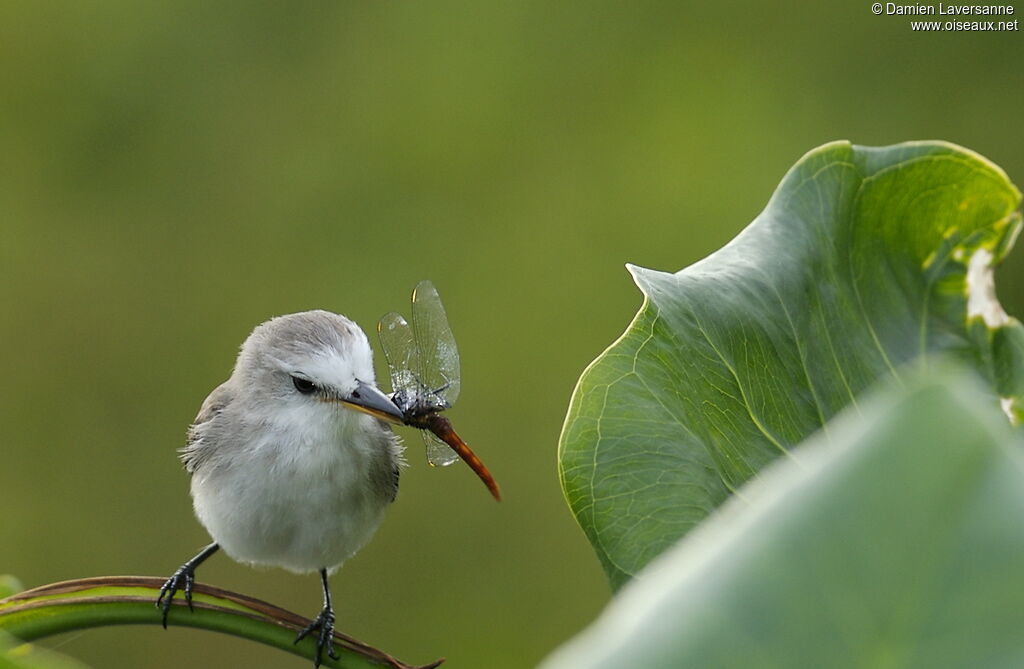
point(898, 544)
point(864, 259)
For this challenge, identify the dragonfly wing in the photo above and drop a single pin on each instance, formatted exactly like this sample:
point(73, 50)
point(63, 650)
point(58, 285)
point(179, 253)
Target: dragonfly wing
point(439, 356)
point(399, 345)
point(439, 454)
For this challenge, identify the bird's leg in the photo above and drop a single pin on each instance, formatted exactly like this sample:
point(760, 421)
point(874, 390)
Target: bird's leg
point(325, 623)
point(183, 578)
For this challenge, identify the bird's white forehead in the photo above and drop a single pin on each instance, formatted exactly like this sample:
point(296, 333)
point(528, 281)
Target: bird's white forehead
point(324, 346)
point(334, 366)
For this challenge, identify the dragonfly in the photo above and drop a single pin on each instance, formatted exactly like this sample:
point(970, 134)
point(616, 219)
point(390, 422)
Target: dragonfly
point(423, 361)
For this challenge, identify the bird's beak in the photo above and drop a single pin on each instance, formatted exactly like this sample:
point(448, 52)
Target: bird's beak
point(369, 399)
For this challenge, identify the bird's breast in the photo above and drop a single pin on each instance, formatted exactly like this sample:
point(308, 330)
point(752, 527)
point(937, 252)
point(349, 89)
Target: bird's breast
point(303, 498)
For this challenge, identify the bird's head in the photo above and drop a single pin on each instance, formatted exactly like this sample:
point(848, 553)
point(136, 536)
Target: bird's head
point(302, 359)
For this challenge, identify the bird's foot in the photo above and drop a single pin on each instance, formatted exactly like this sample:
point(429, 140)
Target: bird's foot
point(325, 639)
point(182, 579)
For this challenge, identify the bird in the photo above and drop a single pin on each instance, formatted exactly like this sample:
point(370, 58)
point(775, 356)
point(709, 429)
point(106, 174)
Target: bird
point(293, 461)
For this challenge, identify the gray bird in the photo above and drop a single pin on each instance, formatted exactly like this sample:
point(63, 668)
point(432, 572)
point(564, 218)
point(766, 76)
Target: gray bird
point(292, 459)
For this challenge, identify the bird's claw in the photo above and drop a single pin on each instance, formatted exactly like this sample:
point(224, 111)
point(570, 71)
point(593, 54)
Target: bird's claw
point(325, 639)
point(184, 578)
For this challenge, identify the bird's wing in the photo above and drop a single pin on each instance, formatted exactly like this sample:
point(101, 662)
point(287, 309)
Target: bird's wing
point(196, 449)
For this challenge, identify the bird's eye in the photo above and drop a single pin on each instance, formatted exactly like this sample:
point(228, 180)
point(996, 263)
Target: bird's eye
point(304, 386)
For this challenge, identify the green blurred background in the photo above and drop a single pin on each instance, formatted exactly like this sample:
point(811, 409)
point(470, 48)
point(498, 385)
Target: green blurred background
point(175, 173)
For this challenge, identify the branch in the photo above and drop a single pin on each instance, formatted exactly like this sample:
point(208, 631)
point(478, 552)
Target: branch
point(129, 600)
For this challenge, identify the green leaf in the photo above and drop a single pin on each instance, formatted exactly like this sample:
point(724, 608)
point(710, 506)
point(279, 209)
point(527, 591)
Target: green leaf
point(895, 541)
point(9, 585)
point(864, 259)
point(17, 655)
point(128, 600)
